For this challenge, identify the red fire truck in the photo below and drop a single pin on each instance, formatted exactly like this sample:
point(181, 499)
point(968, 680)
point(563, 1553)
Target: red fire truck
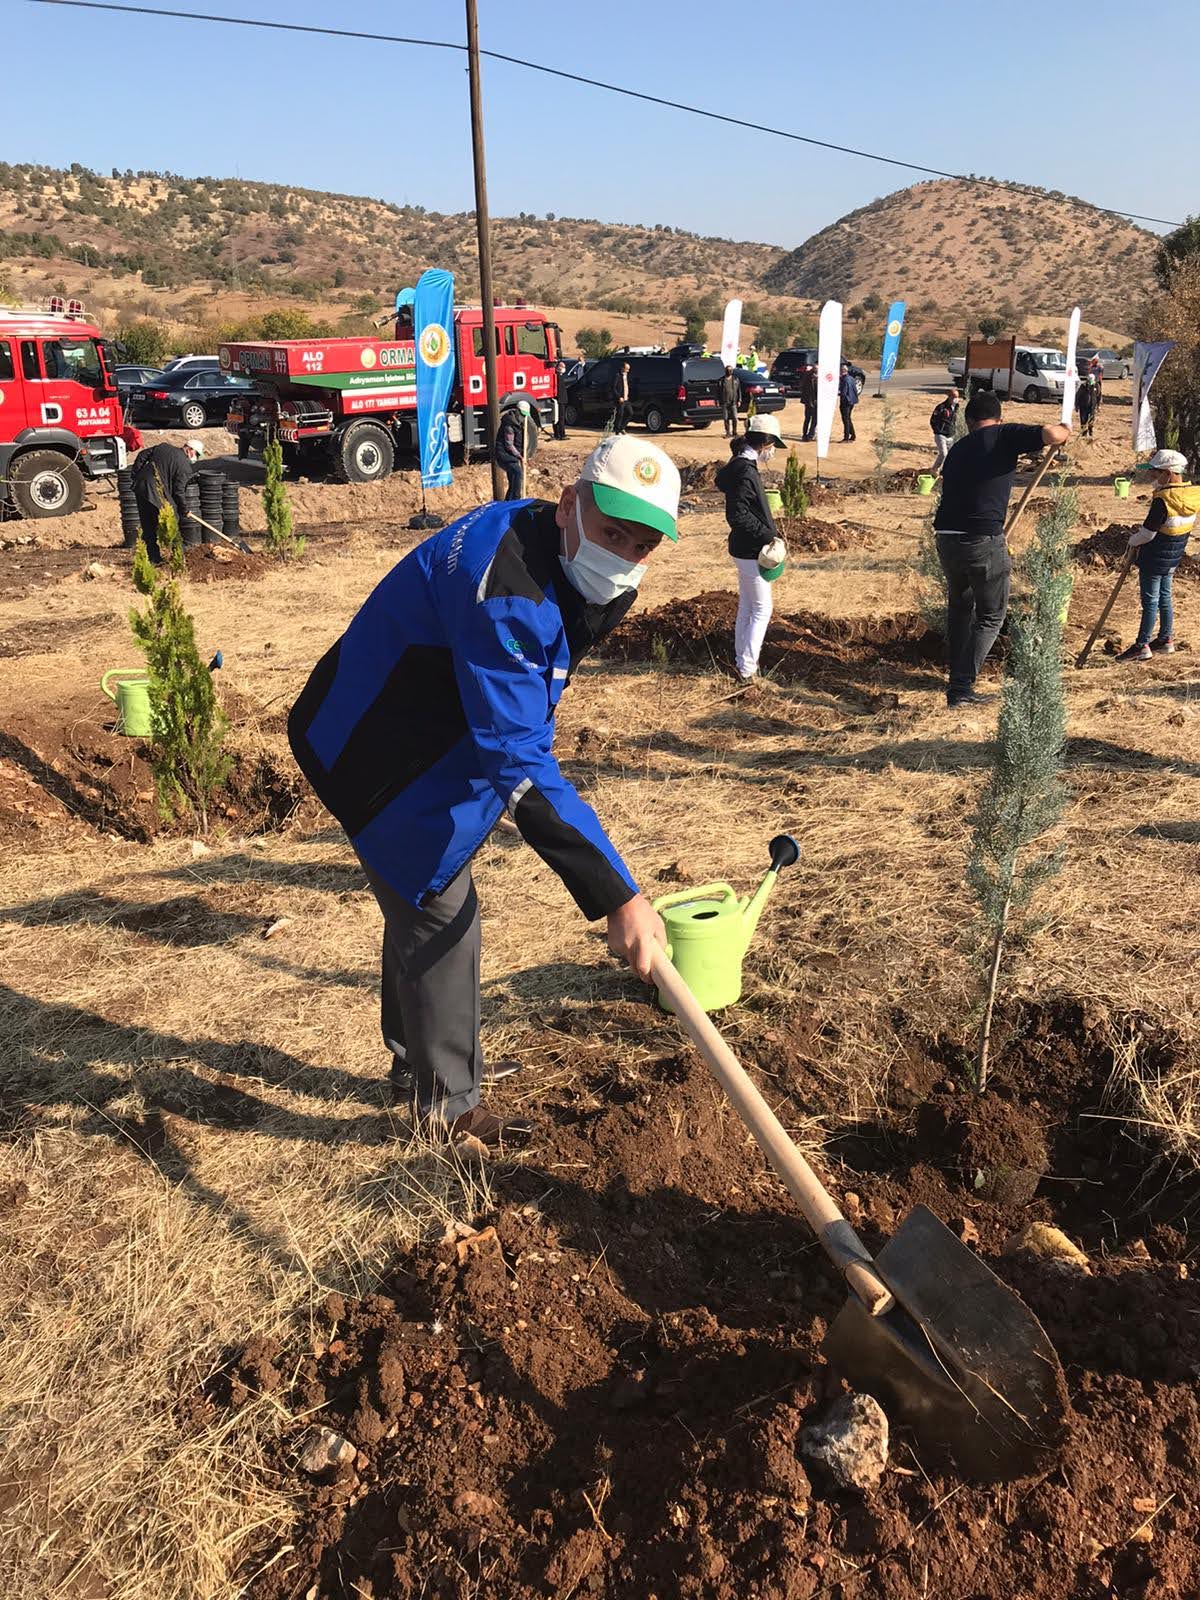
point(351, 404)
point(60, 411)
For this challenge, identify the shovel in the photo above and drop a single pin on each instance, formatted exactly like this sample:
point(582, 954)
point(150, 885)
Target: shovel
point(238, 544)
point(927, 1329)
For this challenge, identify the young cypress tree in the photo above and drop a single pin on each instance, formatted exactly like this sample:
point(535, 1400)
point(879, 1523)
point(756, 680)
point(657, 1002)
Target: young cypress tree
point(282, 540)
point(884, 443)
point(1023, 796)
point(931, 595)
point(795, 495)
point(188, 727)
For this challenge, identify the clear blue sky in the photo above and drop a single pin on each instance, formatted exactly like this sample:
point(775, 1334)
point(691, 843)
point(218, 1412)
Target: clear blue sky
point(1084, 96)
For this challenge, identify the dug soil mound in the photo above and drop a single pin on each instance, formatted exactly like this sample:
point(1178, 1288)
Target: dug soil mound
point(1108, 548)
point(811, 534)
point(846, 656)
point(62, 775)
point(597, 1387)
point(213, 563)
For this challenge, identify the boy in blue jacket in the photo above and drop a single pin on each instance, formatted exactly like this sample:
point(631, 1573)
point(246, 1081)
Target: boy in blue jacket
point(434, 713)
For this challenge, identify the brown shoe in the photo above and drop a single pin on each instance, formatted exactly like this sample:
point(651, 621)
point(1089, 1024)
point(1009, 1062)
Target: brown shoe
point(481, 1127)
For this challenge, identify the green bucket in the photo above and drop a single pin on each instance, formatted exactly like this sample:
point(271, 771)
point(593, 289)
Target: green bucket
point(925, 482)
point(132, 696)
point(774, 502)
point(1121, 488)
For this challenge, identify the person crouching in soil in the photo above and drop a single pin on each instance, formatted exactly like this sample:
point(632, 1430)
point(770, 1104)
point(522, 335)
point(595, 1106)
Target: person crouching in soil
point(752, 532)
point(1159, 546)
point(434, 713)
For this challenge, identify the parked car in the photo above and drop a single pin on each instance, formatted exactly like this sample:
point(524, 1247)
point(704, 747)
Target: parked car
point(1111, 364)
point(135, 377)
point(789, 365)
point(178, 363)
point(189, 398)
point(765, 392)
point(662, 389)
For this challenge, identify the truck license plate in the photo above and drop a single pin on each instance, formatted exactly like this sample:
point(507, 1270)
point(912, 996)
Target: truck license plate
point(708, 402)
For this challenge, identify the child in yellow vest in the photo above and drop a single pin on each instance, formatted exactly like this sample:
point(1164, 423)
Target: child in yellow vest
point(1160, 544)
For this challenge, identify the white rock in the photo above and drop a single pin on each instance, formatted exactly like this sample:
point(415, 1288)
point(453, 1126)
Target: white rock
point(851, 1443)
point(324, 1449)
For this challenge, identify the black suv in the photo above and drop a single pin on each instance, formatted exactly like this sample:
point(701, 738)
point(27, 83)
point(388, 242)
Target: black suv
point(662, 390)
point(788, 365)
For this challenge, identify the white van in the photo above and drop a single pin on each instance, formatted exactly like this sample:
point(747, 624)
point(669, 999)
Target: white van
point(1038, 374)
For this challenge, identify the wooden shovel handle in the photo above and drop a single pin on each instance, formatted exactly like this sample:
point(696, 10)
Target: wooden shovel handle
point(1108, 605)
point(1043, 468)
point(835, 1235)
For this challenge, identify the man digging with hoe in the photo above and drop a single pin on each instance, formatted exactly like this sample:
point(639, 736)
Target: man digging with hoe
point(434, 713)
point(977, 479)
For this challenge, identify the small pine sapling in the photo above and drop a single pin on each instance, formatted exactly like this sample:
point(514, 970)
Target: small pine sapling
point(282, 540)
point(794, 493)
point(187, 726)
point(1023, 796)
point(931, 593)
point(884, 443)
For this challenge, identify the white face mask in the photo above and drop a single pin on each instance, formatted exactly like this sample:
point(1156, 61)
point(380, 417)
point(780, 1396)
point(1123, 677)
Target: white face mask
point(766, 454)
point(599, 574)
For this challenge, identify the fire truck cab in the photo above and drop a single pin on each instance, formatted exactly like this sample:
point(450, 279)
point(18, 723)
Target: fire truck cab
point(60, 410)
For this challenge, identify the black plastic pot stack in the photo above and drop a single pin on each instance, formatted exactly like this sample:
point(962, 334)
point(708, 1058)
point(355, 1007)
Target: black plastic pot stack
point(212, 487)
point(230, 520)
point(131, 524)
point(191, 531)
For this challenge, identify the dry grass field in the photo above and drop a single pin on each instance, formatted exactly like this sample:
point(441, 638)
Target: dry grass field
point(197, 1149)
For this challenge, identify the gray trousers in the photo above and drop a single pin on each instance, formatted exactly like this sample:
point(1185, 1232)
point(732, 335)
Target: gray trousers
point(430, 994)
point(941, 443)
point(977, 579)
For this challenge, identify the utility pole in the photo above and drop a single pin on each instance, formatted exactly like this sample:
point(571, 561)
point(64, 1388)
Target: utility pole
point(483, 229)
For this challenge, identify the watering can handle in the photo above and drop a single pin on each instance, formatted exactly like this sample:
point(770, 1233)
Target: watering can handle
point(835, 1235)
point(119, 672)
point(706, 891)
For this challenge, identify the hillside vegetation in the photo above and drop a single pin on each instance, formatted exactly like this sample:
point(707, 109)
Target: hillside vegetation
point(207, 255)
point(164, 232)
point(963, 246)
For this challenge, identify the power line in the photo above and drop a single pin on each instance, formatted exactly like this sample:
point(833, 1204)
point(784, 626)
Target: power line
point(570, 77)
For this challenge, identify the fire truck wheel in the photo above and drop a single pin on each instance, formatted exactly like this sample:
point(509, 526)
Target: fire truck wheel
point(365, 454)
point(45, 483)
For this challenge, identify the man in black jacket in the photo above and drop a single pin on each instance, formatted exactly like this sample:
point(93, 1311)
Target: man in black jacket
point(510, 448)
point(620, 394)
point(942, 422)
point(976, 483)
point(808, 397)
point(731, 394)
point(161, 475)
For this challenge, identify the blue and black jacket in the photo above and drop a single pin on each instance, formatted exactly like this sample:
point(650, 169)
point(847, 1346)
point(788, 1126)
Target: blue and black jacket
point(435, 710)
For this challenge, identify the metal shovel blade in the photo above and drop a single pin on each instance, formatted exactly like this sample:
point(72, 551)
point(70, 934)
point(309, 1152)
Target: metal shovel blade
point(960, 1358)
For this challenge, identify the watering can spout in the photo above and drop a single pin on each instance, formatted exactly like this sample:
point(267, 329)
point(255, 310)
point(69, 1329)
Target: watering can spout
point(785, 852)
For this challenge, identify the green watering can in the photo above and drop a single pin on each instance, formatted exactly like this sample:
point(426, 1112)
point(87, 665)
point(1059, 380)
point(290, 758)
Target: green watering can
point(925, 482)
point(1121, 488)
point(774, 501)
point(132, 695)
point(709, 931)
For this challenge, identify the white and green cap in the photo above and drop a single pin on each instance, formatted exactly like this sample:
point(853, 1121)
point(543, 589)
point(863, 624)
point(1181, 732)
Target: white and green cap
point(635, 481)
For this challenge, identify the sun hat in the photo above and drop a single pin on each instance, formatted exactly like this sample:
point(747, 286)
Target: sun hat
point(194, 444)
point(634, 481)
point(767, 427)
point(772, 558)
point(1167, 461)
